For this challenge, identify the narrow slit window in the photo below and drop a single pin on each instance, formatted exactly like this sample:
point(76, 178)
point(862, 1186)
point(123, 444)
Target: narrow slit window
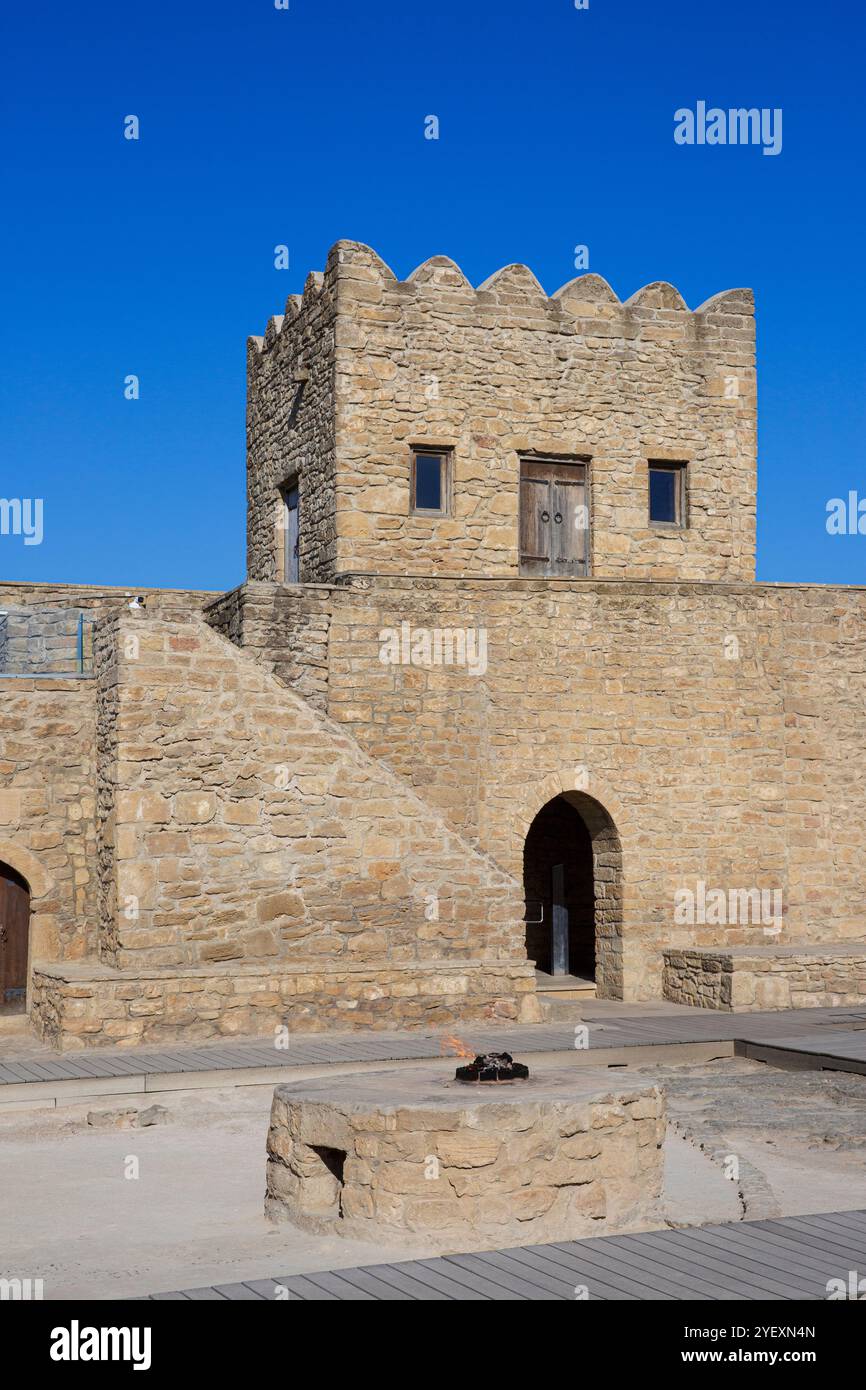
point(667, 494)
point(431, 482)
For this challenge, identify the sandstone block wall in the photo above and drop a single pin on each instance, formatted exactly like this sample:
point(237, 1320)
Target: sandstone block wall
point(39, 641)
point(48, 756)
point(94, 599)
point(238, 824)
point(719, 726)
point(291, 433)
point(297, 650)
point(495, 374)
point(89, 1005)
point(47, 807)
point(39, 623)
point(755, 978)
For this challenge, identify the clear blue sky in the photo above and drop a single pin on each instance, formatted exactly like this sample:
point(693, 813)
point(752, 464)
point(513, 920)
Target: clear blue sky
point(261, 126)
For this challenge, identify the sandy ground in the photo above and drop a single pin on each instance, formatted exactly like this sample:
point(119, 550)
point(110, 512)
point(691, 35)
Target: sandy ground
point(193, 1214)
point(802, 1132)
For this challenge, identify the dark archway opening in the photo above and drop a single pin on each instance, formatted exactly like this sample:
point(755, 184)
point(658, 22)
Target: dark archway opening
point(559, 885)
point(14, 940)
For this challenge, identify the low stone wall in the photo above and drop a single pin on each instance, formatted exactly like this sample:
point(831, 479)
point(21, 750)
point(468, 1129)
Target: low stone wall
point(419, 1157)
point(285, 627)
point(767, 977)
point(88, 1005)
point(95, 599)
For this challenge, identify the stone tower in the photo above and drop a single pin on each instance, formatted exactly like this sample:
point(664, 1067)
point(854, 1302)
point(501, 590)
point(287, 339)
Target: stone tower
point(366, 374)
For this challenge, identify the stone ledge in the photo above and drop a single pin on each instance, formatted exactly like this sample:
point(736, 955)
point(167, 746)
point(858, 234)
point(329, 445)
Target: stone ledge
point(737, 954)
point(352, 581)
point(50, 680)
point(91, 1005)
point(748, 979)
point(384, 579)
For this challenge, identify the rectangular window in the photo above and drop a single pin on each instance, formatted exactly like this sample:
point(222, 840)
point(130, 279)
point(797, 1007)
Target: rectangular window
point(431, 481)
point(667, 494)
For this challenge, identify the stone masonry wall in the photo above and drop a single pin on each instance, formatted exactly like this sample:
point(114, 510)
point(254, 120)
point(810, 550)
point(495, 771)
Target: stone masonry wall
point(95, 599)
point(48, 775)
point(105, 653)
point(47, 807)
point(39, 623)
point(466, 1168)
point(239, 825)
point(291, 433)
point(88, 1005)
point(494, 374)
point(297, 650)
point(44, 641)
point(752, 979)
point(720, 727)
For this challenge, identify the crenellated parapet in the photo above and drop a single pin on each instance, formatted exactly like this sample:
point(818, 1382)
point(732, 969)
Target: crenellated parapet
point(586, 296)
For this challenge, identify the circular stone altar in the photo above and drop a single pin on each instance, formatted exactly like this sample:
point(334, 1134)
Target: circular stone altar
point(412, 1155)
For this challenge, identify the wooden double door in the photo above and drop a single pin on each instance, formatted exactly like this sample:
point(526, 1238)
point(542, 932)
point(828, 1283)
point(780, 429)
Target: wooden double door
point(554, 518)
point(14, 940)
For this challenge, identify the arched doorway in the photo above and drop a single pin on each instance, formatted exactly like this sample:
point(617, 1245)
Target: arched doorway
point(572, 876)
point(14, 940)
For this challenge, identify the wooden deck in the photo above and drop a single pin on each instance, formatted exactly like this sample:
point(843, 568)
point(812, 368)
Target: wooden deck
point(790, 1259)
point(812, 1038)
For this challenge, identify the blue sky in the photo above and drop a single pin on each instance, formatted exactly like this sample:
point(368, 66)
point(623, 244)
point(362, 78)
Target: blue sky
point(262, 126)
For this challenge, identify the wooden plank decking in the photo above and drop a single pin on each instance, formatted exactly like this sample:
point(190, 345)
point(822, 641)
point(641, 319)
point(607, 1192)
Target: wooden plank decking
point(806, 1037)
point(789, 1259)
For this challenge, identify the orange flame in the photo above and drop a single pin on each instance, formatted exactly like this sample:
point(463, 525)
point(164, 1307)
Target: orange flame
point(457, 1047)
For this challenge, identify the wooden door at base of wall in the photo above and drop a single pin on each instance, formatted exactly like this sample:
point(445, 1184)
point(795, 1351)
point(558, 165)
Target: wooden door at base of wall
point(554, 518)
point(14, 935)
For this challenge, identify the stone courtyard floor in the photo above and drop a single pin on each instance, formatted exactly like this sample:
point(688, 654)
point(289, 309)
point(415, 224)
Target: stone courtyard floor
point(193, 1214)
point(106, 1208)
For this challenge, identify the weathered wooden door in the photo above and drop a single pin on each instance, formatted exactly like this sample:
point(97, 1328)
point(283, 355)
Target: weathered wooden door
point(554, 518)
point(291, 567)
point(14, 939)
point(559, 961)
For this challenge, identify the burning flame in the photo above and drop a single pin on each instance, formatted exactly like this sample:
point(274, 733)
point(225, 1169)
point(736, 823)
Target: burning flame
point(457, 1047)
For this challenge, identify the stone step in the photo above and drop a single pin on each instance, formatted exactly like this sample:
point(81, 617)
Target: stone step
point(13, 1025)
point(552, 988)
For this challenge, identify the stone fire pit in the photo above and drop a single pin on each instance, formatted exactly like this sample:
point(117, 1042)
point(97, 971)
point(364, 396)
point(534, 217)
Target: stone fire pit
point(410, 1155)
